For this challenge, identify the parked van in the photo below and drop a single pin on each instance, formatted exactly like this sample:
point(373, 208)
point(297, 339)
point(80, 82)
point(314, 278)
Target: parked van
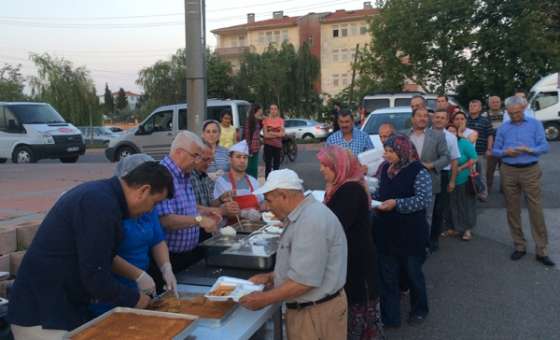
point(33, 131)
point(544, 100)
point(154, 135)
point(385, 100)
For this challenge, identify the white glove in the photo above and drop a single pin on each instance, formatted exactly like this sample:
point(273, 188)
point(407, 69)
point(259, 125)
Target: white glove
point(146, 284)
point(169, 277)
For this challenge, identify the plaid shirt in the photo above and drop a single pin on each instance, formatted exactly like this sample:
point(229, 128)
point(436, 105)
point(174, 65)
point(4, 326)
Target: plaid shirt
point(203, 187)
point(184, 203)
point(360, 141)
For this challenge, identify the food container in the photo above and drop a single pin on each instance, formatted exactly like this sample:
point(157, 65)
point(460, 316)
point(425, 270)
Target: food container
point(247, 226)
point(240, 288)
point(180, 336)
point(269, 218)
point(217, 244)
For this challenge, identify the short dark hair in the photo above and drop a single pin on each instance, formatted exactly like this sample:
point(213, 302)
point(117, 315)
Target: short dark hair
point(420, 109)
point(418, 96)
point(346, 113)
point(519, 90)
point(475, 101)
point(443, 96)
point(441, 111)
point(153, 174)
point(458, 113)
point(226, 113)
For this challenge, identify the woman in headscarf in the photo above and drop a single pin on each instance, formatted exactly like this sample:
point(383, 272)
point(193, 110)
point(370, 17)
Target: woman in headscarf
point(346, 195)
point(401, 231)
point(211, 131)
point(142, 238)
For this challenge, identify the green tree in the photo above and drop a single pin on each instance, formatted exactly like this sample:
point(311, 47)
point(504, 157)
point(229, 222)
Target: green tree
point(11, 83)
point(308, 70)
point(122, 101)
point(220, 80)
point(109, 104)
point(70, 90)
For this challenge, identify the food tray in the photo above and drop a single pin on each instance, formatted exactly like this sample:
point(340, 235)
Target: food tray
point(182, 335)
point(202, 321)
point(243, 287)
point(247, 226)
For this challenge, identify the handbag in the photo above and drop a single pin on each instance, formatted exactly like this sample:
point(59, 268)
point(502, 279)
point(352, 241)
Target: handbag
point(477, 187)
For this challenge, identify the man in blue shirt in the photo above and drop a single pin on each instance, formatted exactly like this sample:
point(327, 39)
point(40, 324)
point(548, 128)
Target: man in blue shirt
point(68, 265)
point(519, 143)
point(349, 136)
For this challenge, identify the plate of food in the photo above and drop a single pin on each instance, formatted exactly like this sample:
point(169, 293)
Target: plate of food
point(269, 218)
point(231, 288)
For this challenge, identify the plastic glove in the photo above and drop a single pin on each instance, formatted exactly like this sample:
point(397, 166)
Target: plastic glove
point(146, 284)
point(169, 278)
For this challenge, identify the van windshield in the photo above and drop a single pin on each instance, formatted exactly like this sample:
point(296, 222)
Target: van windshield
point(35, 114)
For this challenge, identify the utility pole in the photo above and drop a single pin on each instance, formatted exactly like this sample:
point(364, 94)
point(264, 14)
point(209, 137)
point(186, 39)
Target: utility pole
point(351, 94)
point(196, 70)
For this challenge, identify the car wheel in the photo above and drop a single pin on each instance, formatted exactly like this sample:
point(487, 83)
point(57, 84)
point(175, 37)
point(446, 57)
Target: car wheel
point(552, 131)
point(123, 152)
point(23, 154)
point(69, 159)
point(3, 160)
point(308, 137)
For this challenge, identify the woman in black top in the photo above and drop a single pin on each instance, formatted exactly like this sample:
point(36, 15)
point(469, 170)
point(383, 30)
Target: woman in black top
point(346, 195)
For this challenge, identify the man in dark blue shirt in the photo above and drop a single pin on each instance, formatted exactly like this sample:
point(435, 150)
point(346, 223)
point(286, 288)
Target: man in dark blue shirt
point(68, 265)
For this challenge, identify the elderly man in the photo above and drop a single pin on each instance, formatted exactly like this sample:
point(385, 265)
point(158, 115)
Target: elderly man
point(68, 265)
point(520, 142)
point(180, 216)
point(349, 136)
point(432, 150)
point(527, 111)
point(310, 270)
point(485, 140)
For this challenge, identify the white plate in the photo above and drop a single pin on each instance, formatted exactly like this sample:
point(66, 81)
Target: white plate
point(242, 288)
point(269, 218)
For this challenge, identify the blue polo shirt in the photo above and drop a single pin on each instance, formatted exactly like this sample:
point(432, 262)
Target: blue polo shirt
point(359, 143)
point(528, 132)
point(68, 265)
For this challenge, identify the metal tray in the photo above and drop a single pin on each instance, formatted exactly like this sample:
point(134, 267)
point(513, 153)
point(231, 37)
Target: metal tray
point(204, 322)
point(181, 336)
point(247, 226)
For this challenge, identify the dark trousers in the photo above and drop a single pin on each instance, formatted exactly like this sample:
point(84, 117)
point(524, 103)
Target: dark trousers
point(441, 209)
point(271, 159)
point(389, 272)
point(179, 262)
point(491, 164)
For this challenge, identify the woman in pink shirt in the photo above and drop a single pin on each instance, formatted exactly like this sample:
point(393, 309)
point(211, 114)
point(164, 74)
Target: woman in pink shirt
point(273, 130)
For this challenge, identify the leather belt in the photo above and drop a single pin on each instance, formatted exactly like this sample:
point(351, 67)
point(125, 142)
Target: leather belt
point(297, 305)
point(520, 166)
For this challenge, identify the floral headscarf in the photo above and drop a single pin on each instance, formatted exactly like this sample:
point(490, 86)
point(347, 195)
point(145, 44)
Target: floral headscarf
point(406, 151)
point(344, 164)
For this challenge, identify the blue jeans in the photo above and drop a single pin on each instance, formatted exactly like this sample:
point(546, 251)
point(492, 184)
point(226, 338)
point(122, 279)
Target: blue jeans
point(389, 270)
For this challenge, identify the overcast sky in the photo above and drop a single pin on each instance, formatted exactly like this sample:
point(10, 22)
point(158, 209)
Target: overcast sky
point(117, 38)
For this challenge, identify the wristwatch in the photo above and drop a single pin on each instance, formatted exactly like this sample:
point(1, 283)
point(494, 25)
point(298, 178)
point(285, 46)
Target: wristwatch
point(198, 219)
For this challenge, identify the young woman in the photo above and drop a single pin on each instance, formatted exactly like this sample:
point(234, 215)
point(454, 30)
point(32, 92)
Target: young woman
point(463, 204)
point(273, 129)
point(211, 134)
point(346, 195)
point(461, 126)
point(228, 137)
point(251, 133)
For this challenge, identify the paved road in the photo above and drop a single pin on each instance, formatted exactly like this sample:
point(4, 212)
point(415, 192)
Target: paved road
point(475, 291)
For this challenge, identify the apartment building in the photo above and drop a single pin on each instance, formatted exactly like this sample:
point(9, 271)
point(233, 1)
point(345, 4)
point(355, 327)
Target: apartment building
point(332, 37)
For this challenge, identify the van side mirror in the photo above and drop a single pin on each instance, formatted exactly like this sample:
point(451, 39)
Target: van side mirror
point(537, 105)
point(140, 130)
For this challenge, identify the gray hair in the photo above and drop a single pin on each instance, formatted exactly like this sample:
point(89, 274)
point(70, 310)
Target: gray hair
point(515, 100)
point(129, 163)
point(185, 139)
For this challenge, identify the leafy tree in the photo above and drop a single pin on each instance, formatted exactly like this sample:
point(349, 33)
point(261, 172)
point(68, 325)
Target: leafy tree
point(108, 99)
point(70, 90)
point(122, 101)
point(220, 80)
point(11, 83)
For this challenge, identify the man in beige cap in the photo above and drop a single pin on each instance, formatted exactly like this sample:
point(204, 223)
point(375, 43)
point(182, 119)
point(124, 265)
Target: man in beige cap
point(310, 269)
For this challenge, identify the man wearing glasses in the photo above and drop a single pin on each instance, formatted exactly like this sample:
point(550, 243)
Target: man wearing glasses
point(179, 216)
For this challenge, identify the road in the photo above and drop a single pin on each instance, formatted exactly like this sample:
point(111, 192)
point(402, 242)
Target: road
point(474, 290)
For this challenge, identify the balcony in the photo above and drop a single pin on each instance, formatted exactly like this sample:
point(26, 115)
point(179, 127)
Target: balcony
point(232, 51)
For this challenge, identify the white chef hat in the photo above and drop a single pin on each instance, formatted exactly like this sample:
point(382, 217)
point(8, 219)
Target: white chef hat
point(240, 147)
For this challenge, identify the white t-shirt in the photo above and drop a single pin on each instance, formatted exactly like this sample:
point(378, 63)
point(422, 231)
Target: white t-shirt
point(452, 147)
point(467, 133)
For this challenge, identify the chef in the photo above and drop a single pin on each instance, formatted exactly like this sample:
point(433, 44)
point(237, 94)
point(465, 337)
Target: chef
point(239, 183)
point(68, 265)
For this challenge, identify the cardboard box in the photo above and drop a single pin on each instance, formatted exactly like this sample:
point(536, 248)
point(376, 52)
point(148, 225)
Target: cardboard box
point(5, 263)
point(15, 261)
point(4, 287)
point(8, 240)
point(25, 234)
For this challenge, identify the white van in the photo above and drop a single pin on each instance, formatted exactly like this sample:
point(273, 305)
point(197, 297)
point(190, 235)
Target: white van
point(385, 100)
point(544, 100)
point(33, 131)
point(154, 135)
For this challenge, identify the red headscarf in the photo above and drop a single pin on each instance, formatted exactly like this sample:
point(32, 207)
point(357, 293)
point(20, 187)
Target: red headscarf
point(345, 166)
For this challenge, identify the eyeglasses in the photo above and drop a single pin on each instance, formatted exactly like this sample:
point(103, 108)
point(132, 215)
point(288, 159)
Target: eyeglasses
point(195, 156)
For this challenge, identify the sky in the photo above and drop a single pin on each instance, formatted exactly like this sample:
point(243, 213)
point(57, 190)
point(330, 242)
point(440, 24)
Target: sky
point(115, 39)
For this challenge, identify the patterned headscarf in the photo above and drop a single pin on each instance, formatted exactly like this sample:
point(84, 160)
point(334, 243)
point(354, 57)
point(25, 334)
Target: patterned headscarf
point(406, 151)
point(344, 164)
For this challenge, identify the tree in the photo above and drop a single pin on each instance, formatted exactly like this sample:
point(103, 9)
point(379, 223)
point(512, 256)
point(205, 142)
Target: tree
point(122, 101)
point(11, 83)
point(108, 98)
point(70, 90)
point(219, 75)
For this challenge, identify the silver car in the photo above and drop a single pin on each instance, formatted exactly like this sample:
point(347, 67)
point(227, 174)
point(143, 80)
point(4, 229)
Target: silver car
point(306, 129)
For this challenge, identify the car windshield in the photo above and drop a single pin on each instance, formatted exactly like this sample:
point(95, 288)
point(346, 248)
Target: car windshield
point(400, 120)
point(35, 114)
point(375, 104)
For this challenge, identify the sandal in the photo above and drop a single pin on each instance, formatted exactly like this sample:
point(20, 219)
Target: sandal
point(467, 236)
point(449, 233)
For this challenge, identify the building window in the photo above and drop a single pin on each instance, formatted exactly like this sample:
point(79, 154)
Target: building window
point(363, 30)
point(344, 54)
point(233, 42)
point(277, 37)
point(285, 36)
point(261, 38)
point(344, 30)
point(268, 37)
point(335, 80)
point(241, 40)
point(335, 31)
point(344, 79)
point(335, 55)
point(353, 29)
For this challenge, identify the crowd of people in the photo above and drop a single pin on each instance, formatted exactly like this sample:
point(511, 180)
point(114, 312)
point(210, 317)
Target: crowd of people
point(341, 265)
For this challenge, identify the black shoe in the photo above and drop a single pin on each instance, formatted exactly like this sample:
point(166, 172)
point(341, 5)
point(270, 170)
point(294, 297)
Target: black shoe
point(545, 260)
point(517, 255)
point(415, 320)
